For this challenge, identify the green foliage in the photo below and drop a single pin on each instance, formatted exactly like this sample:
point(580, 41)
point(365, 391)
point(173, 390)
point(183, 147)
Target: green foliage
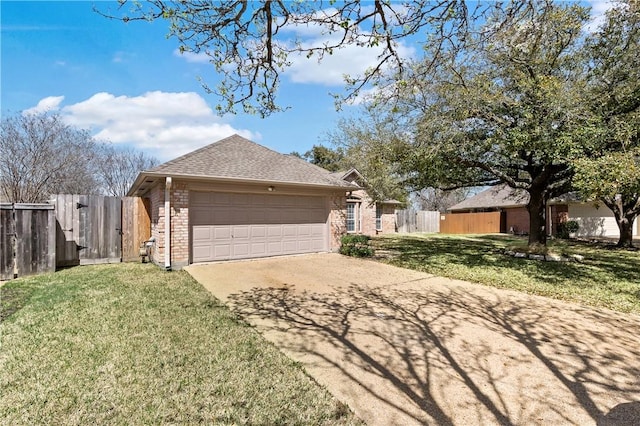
point(509, 110)
point(327, 158)
point(506, 108)
point(356, 245)
point(609, 174)
point(373, 144)
point(610, 170)
point(565, 229)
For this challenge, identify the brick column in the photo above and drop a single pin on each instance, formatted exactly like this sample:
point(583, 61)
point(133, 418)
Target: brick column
point(179, 225)
point(338, 221)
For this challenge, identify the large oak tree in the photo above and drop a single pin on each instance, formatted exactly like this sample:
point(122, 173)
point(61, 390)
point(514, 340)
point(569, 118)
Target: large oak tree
point(508, 111)
point(611, 172)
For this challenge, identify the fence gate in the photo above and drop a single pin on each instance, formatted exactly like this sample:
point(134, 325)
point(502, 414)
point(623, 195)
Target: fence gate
point(89, 229)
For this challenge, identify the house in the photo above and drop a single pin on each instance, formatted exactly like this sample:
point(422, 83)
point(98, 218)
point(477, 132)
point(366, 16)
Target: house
point(594, 221)
point(364, 215)
point(235, 199)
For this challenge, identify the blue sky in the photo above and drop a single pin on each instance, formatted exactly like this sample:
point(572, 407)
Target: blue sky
point(127, 83)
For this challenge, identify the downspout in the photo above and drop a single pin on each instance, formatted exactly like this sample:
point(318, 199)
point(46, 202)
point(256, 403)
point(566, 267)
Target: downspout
point(167, 224)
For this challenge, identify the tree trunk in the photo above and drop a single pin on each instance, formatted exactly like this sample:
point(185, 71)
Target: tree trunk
point(537, 225)
point(625, 214)
point(625, 224)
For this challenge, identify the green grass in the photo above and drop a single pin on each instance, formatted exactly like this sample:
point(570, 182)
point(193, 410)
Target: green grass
point(131, 344)
point(608, 277)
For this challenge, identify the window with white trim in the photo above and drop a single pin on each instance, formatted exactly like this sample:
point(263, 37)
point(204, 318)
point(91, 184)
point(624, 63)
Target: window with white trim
point(352, 217)
point(378, 217)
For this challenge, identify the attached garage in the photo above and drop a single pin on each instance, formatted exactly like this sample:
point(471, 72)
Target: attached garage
point(228, 226)
point(235, 199)
point(594, 222)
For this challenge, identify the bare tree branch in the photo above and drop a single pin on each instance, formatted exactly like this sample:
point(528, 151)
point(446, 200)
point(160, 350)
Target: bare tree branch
point(248, 46)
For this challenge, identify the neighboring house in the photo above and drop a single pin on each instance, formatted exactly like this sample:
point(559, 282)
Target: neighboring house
point(364, 215)
point(595, 221)
point(235, 199)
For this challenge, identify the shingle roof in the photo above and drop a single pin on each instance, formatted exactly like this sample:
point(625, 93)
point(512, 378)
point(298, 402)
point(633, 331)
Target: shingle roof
point(503, 195)
point(497, 196)
point(237, 158)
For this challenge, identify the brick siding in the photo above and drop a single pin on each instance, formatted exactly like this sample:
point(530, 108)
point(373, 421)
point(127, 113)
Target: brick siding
point(179, 225)
point(337, 221)
point(156, 201)
point(518, 218)
point(559, 214)
point(367, 215)
point(389, 224)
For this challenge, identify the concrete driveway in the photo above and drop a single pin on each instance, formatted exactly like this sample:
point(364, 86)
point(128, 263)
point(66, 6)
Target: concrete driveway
point(402, 347)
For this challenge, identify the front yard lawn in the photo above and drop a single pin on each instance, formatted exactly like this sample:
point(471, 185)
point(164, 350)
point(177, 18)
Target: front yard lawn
point(607, 277)
point(131, 344)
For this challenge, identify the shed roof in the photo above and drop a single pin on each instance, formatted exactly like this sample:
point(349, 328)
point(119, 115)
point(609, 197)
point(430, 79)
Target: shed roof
point(238, 159)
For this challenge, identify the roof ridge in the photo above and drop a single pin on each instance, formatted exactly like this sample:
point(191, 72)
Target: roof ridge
point(236, 157)
point(192, 153)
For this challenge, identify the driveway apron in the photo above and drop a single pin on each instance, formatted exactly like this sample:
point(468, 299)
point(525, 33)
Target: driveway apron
point(402, 347)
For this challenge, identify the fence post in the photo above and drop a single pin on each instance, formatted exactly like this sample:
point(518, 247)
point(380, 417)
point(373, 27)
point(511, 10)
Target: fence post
point(14, 240)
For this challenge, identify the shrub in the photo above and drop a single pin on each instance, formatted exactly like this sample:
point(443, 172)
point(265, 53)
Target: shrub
point(565, 229)
point(356, 245)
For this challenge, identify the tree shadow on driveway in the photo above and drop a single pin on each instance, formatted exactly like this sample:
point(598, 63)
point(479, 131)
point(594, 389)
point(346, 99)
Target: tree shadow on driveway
point(419, 353)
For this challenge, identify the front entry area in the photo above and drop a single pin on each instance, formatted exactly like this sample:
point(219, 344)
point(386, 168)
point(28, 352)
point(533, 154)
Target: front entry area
point(226, 226)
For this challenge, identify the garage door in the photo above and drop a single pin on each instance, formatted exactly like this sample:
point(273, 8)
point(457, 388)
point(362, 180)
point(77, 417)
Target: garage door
point(594, 222)
point(240, 226)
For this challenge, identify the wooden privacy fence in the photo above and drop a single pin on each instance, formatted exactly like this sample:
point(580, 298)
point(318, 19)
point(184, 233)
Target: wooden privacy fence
point(27, 240)
point(99, 229)
point(71, 230)
point(417, 221)
point(89, 229)
point(136, 226)
point(470, 223)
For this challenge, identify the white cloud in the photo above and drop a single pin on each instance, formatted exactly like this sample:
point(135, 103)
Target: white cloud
point(198, 58)
point(50, 103)
point(598, 10)
point(165, 125)
point(351, 60)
